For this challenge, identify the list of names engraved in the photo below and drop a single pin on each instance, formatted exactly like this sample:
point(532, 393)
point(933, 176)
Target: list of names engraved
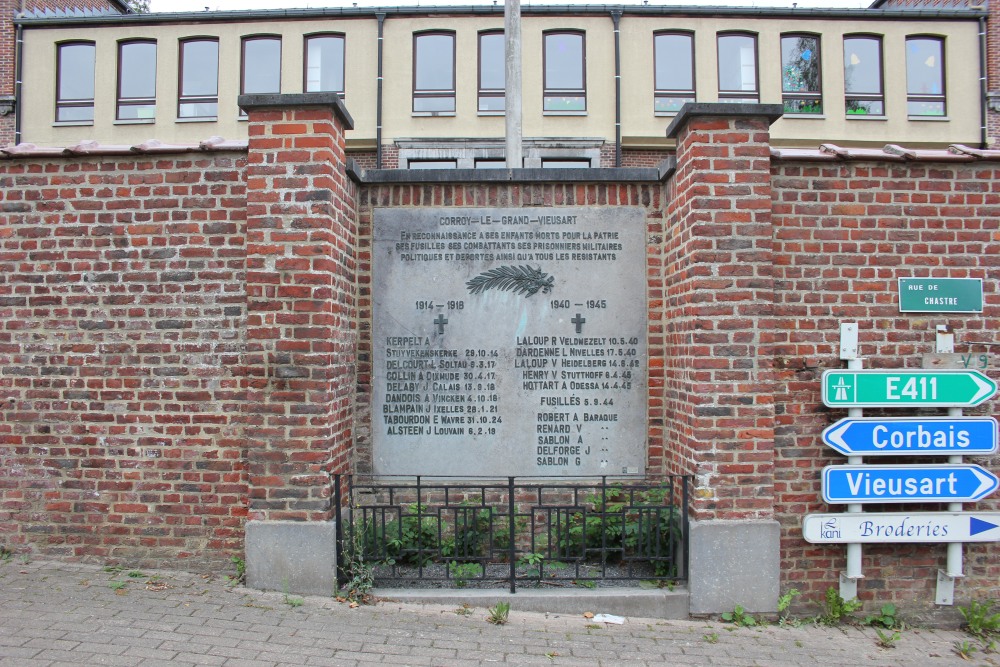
point(509, 341)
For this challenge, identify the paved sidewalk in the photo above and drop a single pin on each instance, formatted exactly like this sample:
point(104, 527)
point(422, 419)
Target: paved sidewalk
point(60, 614)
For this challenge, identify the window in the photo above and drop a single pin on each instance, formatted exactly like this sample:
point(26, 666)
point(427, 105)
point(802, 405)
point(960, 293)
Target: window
point(565, 164)
point(432, 164)
point(324, 64)
point(261, 71)
point(136, 80)
point(800, 74)
point(673, 64)
point(434, 73)
point(491, 163)
point(738, 68)
point(863, 76)
point(75, 82)
point(565, 70)
point(199, 79)
point(492, 72)
point(925, 76)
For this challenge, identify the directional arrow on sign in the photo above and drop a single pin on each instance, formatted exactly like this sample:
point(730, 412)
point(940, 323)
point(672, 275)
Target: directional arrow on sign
point(905, 389)
point(906, 483)
point(923, 527)
point(906, 436)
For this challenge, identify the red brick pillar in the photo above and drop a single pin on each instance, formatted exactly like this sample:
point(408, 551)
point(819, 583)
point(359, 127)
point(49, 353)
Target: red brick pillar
point(719, 385)
point(301, 333)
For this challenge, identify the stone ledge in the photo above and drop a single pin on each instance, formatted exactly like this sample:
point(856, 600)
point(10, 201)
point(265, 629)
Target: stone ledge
point(700, 109)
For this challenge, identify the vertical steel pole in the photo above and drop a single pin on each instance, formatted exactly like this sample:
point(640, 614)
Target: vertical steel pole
point(511, 547)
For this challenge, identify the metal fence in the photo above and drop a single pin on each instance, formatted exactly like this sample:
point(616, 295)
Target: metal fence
point(527, 531)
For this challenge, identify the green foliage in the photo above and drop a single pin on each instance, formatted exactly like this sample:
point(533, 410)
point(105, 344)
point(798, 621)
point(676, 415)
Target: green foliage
point(965, 649)
point(117, 585)
point(136, 574)
point(530, 559)
point(739, 617)
point(885, 619)
point(712, 638)
point(241, 571)
point(619, 523)
point(784, 602)
point(585, 583)
point(359, 572)
point(887, 639)
point(498, 614)
point(837, 608)
point(462, 572)
point(5, 554)
point(980, 619)
point(293, 602)
point(472, 533)
point(412, 540)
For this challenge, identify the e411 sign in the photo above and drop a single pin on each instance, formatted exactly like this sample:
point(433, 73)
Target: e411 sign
point(903, 388)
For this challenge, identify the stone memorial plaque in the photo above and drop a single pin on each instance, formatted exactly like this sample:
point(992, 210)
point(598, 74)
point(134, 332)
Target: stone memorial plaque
point(509, 341)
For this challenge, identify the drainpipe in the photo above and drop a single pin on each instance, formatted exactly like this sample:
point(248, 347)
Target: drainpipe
point(616, 16)
point(982, 83)
point(18, 68)
point(378, 96)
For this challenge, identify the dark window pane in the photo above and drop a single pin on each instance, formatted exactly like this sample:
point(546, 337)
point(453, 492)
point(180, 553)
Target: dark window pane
point(862, 66)
point(325, 64)
point(262, 66)
point(924, 74)
point(491, 103)
point(864, 107)
point(70, 114)
point(800, 69)
point(670, 104)
point(491, 61)
point(76, 73)
point(433, 104)
point(136, 111)
point(138, 70)
point(201, 69)
point(737, 63)
point(674, 65)
point(564, 61)
point(432, 164)
point(565, 164)
point(564, 103)
point(435, 62)
point(199, 110)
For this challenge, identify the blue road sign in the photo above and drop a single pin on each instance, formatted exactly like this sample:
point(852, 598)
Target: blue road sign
point(909, 436)
point(906, 483)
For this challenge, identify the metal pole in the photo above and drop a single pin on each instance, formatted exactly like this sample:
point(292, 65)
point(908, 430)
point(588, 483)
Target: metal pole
point(512, 83)
point(378, 94)
point(512, 534)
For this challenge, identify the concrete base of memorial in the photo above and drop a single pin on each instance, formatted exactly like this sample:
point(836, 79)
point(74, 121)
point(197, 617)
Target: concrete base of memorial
point(629, 602)
point(734, 563)
point(292, 556)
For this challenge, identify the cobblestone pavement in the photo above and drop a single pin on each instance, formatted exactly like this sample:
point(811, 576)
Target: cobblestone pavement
point(61, 614)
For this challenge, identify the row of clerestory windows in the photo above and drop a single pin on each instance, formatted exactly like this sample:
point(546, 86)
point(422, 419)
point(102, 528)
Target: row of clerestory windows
point(563, 73)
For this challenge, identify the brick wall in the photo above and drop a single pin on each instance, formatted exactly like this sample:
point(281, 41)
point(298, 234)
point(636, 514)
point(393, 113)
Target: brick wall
point(302, 318)
point(122, 315)
point(843, 234)
point(717, 291)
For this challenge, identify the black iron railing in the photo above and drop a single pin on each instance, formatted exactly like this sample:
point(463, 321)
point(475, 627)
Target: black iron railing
point(575, 531)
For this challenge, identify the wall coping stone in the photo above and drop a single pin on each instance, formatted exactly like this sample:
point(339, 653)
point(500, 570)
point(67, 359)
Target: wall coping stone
point(292, 100)
point(700, 109)
point(536, 175)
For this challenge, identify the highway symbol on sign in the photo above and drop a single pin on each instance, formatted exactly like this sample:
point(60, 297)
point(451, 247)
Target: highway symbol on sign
point(906, 483)
point(906, 389)
point(918, 527)
point(908, 436)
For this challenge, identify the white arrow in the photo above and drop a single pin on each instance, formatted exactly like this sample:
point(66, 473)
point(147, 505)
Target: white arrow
point(985, 389)
point(985, 484)
point(835, 437)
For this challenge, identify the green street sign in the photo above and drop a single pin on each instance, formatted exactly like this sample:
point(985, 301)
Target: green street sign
point(905, 389)
point(940, 295)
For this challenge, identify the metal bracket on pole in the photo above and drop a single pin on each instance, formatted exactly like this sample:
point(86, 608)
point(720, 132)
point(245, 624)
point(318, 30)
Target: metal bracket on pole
point(945, 589)
point(849, 353)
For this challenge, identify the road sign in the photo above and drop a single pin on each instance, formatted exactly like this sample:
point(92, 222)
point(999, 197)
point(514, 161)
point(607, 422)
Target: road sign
point(909, 436)
point(906, 483)
point(905, 389)
point(940, 295)
point(925, 527)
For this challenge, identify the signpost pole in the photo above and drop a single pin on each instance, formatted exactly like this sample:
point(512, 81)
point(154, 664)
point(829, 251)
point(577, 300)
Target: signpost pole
point(849, 351)
point(945, 594)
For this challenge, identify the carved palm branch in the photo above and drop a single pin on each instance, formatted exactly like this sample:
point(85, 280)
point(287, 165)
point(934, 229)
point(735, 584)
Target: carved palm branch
point(517, 279)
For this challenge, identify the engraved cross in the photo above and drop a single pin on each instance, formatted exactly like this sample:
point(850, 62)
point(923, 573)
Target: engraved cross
point(578, 321)
point(440, 322)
